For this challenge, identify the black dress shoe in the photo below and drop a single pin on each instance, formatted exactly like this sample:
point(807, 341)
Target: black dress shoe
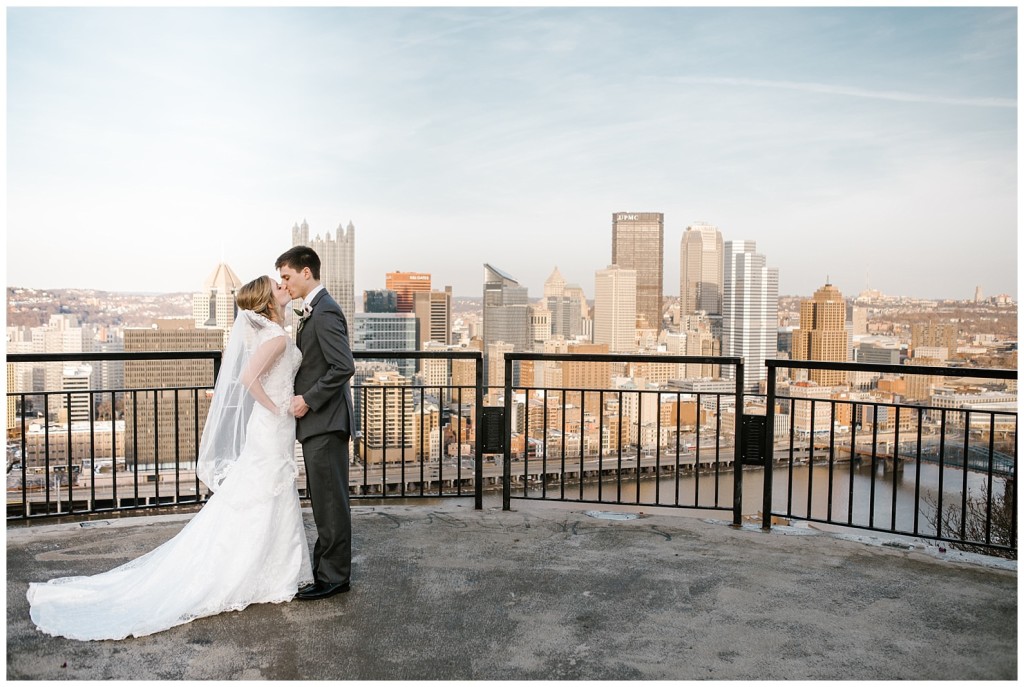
point(322, 590)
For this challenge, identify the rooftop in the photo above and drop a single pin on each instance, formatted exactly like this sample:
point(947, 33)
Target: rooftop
point(223, 278)
point(556, 591)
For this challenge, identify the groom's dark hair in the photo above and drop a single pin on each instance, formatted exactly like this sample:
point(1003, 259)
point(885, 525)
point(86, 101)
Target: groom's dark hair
point(298, 258)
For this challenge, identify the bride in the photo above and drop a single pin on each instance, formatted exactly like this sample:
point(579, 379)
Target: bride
point(247, 545)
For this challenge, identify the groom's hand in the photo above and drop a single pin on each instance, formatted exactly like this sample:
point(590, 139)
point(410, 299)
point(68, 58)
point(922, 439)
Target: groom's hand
point(299, 407)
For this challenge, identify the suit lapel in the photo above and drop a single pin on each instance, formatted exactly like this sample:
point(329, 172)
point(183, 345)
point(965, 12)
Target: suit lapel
point(316, 300)
point(309, 323)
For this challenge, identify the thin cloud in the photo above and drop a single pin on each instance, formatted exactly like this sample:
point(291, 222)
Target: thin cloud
point(462, 26)
point(811, 87)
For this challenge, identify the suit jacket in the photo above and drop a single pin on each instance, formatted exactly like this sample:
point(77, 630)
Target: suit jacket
point(323, 379)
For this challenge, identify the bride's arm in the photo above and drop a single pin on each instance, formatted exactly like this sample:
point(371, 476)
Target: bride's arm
point(261, 360)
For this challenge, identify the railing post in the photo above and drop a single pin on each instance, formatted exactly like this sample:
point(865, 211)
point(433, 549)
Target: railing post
point(769, 449)
point(506, 486)
point(24, 461)
point(478, 482)
point(737, 462)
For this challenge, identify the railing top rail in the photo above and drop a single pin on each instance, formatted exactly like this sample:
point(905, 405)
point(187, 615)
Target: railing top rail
point(118, 390)
point(980, 372)
point(624, 358)
point(213, 355)
point(417, 355)
point(112, 355)
point(611, 389)
point(872, 402)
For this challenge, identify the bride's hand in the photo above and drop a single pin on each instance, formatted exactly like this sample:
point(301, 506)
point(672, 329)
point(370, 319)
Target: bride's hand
point(299, 406)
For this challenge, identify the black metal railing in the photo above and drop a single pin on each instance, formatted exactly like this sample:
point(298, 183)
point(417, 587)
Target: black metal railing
point(117, 464)
point(969, 500)
point(148, 448)
point(622, 457)
point(402, 463)
point(944, 473)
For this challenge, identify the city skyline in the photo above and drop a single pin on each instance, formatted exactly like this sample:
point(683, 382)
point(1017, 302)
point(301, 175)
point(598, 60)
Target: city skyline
point(145, 146)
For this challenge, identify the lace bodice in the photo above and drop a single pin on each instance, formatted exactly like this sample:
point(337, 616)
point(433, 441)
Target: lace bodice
point(279, 379)
point(274, 433)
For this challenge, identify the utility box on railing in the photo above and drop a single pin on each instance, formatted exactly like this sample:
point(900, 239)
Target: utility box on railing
point(492, 424)
point(754, 435)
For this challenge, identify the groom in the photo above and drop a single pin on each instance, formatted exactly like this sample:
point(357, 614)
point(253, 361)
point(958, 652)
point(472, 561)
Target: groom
point(323, 410)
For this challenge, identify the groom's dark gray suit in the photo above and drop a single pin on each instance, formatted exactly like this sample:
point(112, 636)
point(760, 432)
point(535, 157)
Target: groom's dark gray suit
point(323, 382)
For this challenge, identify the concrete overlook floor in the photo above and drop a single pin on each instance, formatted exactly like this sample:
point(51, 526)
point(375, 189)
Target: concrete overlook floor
point(555, 591)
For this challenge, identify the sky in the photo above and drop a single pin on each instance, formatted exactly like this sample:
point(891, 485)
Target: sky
point(871, 147)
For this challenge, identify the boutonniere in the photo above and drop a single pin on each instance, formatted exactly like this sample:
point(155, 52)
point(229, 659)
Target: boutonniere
point(303, 314)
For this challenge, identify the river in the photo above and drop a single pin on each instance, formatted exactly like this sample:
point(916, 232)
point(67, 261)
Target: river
point(701, 491)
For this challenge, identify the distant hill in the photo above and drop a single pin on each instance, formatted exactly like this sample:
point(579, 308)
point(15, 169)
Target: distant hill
point(32, 307)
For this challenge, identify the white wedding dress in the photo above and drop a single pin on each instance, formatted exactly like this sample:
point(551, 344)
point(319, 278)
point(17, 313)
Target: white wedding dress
point(247, 545)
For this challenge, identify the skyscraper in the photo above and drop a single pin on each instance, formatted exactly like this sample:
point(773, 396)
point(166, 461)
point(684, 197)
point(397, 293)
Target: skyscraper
point(555, 284)
point(638, 243)
point(822, 334)
point(154, 414)
point(337, 262)
point(615, 309)
point(540, 323)
point(389, 419)
point(750, 311)
point(62, 334)
point(879, 353)
point(108, 374)
point(77, 378)
point(214, 306)
point(566, 304)
point(405, 284)
point(433, 310)
point(700, 270)
point(556, 305)
point(380, 300)
point(506, 312)
point(589, 375)
point(700, 341)
point(580, 322)
point(494, 359)
point(387, 332)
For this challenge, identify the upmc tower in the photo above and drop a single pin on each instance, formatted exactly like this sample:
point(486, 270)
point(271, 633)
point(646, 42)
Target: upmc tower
point(638, 243)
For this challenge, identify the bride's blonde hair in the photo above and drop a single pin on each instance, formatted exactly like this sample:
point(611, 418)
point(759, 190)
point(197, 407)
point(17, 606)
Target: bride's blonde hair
point(258, 296)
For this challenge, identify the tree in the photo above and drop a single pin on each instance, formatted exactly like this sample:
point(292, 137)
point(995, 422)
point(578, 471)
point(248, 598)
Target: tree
point(1001, 528)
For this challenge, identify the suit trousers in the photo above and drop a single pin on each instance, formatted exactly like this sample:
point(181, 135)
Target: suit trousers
point(326, 457)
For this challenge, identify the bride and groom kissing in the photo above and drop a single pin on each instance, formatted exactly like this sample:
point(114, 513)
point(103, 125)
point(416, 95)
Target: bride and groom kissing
point(248, 543)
